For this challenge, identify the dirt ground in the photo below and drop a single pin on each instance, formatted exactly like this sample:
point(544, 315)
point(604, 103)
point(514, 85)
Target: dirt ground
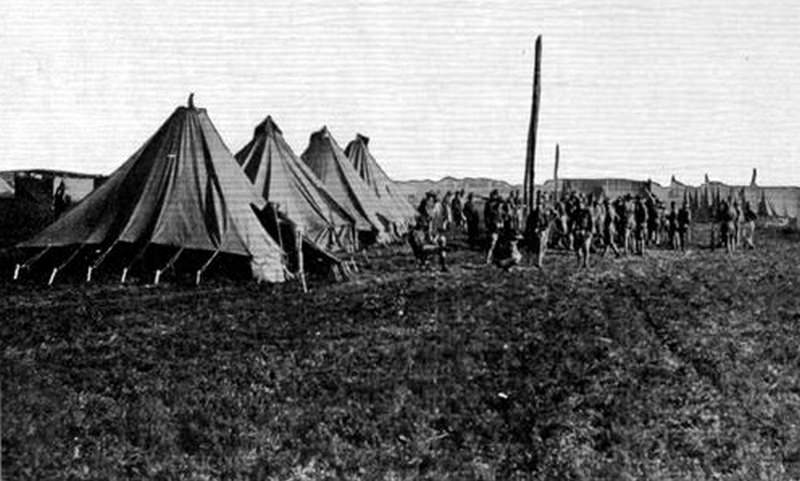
point(670, 366)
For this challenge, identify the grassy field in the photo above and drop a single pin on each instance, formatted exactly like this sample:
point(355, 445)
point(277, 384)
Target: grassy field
point(672, 366)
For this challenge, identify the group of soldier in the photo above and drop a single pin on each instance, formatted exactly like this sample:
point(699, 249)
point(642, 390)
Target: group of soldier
point(629, 224)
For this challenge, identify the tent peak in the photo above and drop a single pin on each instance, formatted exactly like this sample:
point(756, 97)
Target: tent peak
point(322, 133)
point(363, 138)
point(267, 126)
point(190, 102)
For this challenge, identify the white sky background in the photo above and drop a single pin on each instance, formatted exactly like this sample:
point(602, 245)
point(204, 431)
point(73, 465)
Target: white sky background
point(629, 88)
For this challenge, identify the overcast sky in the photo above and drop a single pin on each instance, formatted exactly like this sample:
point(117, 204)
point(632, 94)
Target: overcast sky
point(630, 88)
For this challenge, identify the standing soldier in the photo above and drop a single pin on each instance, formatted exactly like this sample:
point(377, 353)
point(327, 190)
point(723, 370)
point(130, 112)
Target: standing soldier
point(640, 225)
point(738, 220)
point(652, 220)
point(60, 200)
point(447, 211)
point(538, 229)
point(684, 224)
point(726, 226)
point(582, 228)
point(672, 226)
point(472, 219)
point(494, 222)
point(623, 212)
point(749, 226)
point(609, 228)
point(457, 209)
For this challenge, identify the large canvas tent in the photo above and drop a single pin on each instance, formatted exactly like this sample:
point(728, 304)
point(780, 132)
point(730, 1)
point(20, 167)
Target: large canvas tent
point(181, 190)
point(393, 206)
point(293, 190)
point(330, 164)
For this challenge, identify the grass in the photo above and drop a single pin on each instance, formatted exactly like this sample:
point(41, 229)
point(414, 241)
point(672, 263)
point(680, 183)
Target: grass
point(670, 366)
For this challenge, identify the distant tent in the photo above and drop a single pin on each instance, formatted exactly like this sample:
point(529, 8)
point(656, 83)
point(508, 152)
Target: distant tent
point(394, 207)
point(290, 185)
point(183, 190)
point(330, 164)
point(6, 191)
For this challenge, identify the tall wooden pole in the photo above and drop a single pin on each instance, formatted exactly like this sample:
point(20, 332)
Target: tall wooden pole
point(528, 197)
point(555, 177)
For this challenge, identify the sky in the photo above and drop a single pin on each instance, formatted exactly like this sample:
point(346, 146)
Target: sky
point(629, 88)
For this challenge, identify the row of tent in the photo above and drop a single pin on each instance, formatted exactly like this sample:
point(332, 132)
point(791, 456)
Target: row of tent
point(184, 194)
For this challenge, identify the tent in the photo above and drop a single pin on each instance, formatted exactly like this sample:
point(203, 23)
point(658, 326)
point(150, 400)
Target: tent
point(330, 164)
point(181, 190)
point(394, 207)
point(288, 184)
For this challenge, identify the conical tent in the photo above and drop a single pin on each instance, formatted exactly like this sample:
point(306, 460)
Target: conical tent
point(182, 189)
point(330, 164)
point(394, 207)
point(286, 182)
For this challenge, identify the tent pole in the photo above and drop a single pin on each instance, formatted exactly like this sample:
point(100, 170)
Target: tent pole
point(167, 266)
point(300, 267)
point(138, 256)
point(204, 267)
point(64, 264)
point(27, 264)
point(98, 262)
point(555, 176)
point(528, 184)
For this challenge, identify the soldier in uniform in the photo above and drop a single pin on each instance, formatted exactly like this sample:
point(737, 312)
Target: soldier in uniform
point(423, 246)
point(640, 219)
point(538, 229)
point(493, 218)
point(738, 220)
point(727, 219)
point(672, 225)
point(684, 224)
point(609, 228)
point(472, 219)
point(582, 228)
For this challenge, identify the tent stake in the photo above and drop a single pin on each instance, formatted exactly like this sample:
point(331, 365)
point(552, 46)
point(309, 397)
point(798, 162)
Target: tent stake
point(98, 262)
point(204, 267)
point(27, 264)
point(138, 255)
point(167, 266)
point(62, 266)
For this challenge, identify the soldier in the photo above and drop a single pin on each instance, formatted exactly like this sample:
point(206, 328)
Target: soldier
point(494, 222)
point(640, 219)
point(446, 211)
point(423, 246)
point(582, 228)
point(684, 224)
point(653, 237)
point(457, 208)
point(738, 220)
point(749, 226)
point(472, 220)
point(672, 226)
point(598, 216)
point(505, 251)
point(538, 229)
point(609, 229)
point(727, 219)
